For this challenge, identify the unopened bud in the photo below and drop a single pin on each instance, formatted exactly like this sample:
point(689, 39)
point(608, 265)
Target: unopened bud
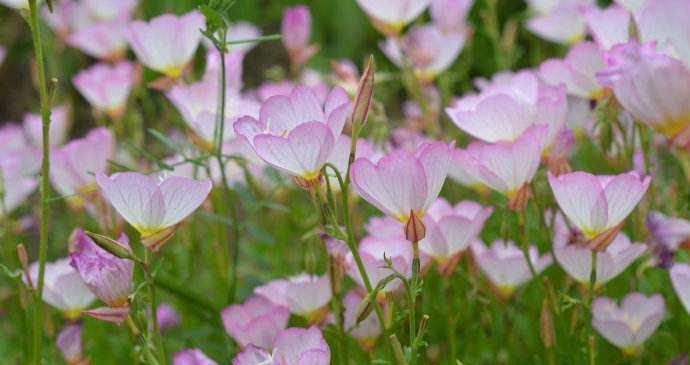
point(414, 228)
point(23, 257)
point(111, 245)
point(365, 93)
point(548, 334)
point(365, 308)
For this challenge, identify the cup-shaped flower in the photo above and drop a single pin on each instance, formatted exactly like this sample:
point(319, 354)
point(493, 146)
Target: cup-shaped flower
point(505, 266)
point(63, 287)
point(564, 22)
point(451, 229)
point(192, 357)
point(296, 133)
point(609, 26)
point(635, 73)
point(308, 296)
point(598, 204)
point(368, 329)
point(576, 259)
point(69, 341)
point(103, 40)
point(374, 252)
point(577, 71)
point(109, 277)
point(674, 35)
point(198, 104)
point(167, 42)
point(629, 325)
point(390, 17)
point(427, 48)
point(670, 232)
point(296, 30)
point(154, 207)
point(59, 126)
point(107, 87)
point(404, 182)
point(15, 186)
point(293, 346)
point(255, 322)
point(680, 279)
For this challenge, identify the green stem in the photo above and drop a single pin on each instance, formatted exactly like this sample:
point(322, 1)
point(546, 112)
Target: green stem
point(45, 175)
point(590, 298)
point(413, 302)
point(150, 283)
point(450, 318)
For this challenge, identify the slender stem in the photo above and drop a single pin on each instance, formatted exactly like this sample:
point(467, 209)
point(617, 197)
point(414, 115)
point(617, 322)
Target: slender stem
point(142, 341)
point(45, 175)
point(590, 298)
point(524, 244)
point(150, 283)
point(413, 302)
point(450, 318)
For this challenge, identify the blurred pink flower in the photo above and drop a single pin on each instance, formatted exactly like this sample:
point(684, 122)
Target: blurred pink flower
point(63, 288)
point(154, 207)
point(671, 232)
point(104, 40)
point(293, 346)
point(111, 10)
point(505, 266)
point(373, 249)
point(598, 204)
point(198, 104)
point(69, 341)
point(562, 22)
point(577, 71)
point(636, 73)
point(167, 42)
point(451, 229)
point(297, 134)
point(390, 17)
point(108, 277)
point(168, 318)
point(680, 279)
point(192, 357)
point(341, 155)
point(609, 26)
point(59, 126)
point(666, 22)
point(369, 329)
point(255, 322)
point(451, 15)
point(67, 16)
point(429, 50)
point(15, 185)
point(629, 325)
point(402, 182)
point(233, 70)
point(106, 87)
point(296, 30)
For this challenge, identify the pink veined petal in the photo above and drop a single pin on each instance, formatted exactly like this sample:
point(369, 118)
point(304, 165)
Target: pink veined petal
point(294, 343)
point(136, 197)
point(459, 232)
point(252, 355)
point(182, 196)
point(622, 195)
point(680, 278)
point(616, 332)
point(278, 115)
point(582, 199)
point(335, 99)
point(435, 159)
point(609, 26)
point(565, 24)
point(248, 128)
point(495, 118)
point(396, 185)
point(302, 153)
point(575, 260)
point(115, 315)
point(434, 243)
point(306, 105)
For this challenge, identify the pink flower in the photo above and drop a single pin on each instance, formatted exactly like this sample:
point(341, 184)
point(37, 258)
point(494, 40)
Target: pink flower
point(629, 325)
point(69, 341)
point(242, 31)
point(463, 167)
point(666, 22)
point(368, 330)
point(107, 87)
point(341, 155)
point(680, 279)
point(104, 40)
point(110, 10)
point(671, 232)
point(428, 49)
point(16, 186)
point(403, 182)
point(297, 134)
point(108, 277)
point(373, 249)
point(296, 29)
point(450, 229)
point(390, 17)
point(293, 346)
point(198, 104)
point(153, 207)
point(167, 42)
point(506, 108)
point(505, 266)
point(67, 16)
point(168, 318)
point(636, 73)
point(59, 125)
point(576, 259)
point(192, 357)
point(63, 288)
point(233, 70)
point(562, 23)
point(609, 26)
point(597, 205)
point(451, 15)
point(577, 71)
point(256, 322)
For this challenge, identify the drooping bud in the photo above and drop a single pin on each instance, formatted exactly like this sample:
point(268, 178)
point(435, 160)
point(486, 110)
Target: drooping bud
point(365, 308)
point(365, 94)
point(548, 334)
point(112, 246)
point(23, 256)
point(414, 228)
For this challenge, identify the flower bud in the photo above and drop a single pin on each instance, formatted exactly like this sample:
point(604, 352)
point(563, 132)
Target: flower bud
point(414, 228)
point(365, 94)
